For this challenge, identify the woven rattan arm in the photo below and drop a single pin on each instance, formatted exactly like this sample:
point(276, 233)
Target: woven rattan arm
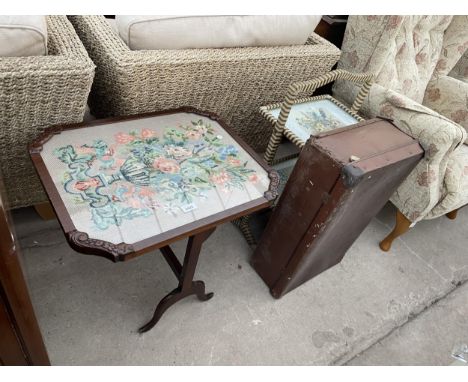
point(36, 92)
point(297, 88)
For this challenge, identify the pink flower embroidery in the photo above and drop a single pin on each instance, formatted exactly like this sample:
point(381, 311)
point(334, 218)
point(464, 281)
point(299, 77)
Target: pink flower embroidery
point(465, 170)
point(426, 178)
point(402, 50)
point(193, 134)
point(147, 133)
point(432, 150)
point(397, 100)
point(441, 65)
point(83, 185)
point(234, 161)
point(119, 162)
point(394, 21)
point(220, 178)
point(407, 85)
point(124, 138)
point(433, 94)
point(135, 203)
point(169, 166)
point(253, 178)
point(459, 116)
point(420, 58)
point(386, 110)
point(352, 58)
point(146, 192)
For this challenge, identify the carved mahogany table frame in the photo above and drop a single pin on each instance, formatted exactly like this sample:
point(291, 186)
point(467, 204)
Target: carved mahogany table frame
point(197, 231)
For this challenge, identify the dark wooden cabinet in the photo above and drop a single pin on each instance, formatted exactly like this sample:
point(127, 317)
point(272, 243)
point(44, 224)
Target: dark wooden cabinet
point(20, 337)
point(11, 352)
point(332, 28)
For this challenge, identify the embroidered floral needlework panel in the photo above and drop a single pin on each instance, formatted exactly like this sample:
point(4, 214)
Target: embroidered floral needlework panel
point(131, 180)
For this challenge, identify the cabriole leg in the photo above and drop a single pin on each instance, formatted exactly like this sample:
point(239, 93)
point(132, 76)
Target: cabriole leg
point(452, 214)
point(402, 225)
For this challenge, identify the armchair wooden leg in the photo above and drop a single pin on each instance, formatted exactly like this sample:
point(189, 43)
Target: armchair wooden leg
point(45, 211)
point(452, 214)
point(402, 225)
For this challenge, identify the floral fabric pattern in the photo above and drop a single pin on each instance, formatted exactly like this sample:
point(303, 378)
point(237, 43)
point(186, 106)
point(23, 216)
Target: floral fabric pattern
point(411, 57)
point(143, 170)
point(404, 52)
point(449, 97)
point(456, 183)
point(425, 187)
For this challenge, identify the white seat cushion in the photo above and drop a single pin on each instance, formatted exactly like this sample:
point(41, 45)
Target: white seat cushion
point(185, 32)
point(23, 36)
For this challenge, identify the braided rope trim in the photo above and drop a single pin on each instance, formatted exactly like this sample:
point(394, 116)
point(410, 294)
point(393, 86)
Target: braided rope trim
point(243, 224)
point(311, 85)
point(284, 159)
point(276, 136)
point(340, 74)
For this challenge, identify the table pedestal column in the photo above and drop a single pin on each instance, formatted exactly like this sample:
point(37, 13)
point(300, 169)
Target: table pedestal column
point(185, 274)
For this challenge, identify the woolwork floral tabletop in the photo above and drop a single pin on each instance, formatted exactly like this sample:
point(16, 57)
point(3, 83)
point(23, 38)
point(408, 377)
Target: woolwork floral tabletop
point(130, 180)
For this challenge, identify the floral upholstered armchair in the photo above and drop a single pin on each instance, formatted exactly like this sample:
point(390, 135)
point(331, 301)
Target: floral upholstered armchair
point(420, 68)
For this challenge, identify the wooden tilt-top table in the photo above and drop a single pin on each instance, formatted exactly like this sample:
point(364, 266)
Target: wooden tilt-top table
point(124, 186)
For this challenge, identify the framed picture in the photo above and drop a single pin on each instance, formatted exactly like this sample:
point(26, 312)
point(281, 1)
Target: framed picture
point(312, 116)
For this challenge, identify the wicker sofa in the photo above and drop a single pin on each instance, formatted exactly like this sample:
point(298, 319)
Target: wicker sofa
point(36, 92)
point(232, 82)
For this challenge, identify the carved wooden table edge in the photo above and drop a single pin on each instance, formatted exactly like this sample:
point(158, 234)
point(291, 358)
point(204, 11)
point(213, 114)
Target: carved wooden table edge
point(197, 235)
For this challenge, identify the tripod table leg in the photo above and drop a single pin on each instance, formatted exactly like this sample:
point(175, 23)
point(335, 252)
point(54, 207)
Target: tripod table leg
point(186, 286)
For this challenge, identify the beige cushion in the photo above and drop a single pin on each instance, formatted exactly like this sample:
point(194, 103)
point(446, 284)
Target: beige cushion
point(183, 32)
point(23, 36)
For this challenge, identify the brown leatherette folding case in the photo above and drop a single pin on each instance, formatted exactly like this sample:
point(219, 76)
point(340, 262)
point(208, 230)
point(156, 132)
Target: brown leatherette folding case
point(340, 182)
